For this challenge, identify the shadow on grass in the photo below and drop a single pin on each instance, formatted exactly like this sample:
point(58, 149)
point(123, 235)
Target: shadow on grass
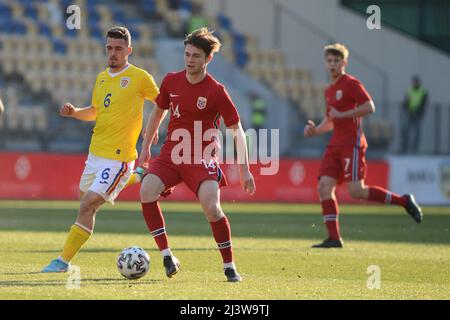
point(110, 250)
point(397, 227)
point(174, 248)
point(20, 273)
point(99, 281)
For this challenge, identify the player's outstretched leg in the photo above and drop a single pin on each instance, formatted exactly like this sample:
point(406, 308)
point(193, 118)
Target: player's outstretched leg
point(208, 194)
point(79, 233)
point(413, 208)
point(151, 188)
point(358, 190)
point(77, 237)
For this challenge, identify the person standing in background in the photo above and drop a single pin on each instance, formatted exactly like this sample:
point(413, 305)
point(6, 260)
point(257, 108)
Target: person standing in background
point(414, 106)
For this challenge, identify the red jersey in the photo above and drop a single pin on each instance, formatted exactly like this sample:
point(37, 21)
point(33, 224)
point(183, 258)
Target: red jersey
point(206, 101)
point(346, 94)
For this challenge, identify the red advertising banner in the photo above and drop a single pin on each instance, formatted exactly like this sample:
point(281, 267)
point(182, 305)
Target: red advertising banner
point(56, 177)
point(40, 176)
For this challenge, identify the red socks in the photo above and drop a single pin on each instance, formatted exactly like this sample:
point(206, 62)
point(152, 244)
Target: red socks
point(330, 211)
point(155, 223)
point(222, 234)
point(379, 194)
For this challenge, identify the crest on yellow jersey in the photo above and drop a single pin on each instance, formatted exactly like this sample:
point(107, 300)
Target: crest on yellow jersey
point(124, 81)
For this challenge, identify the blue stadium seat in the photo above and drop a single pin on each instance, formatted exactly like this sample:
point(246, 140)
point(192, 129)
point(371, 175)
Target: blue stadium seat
point(93, 16)
point(118, 15)
point(91, 5)
point(66, 3)
point(25, 2)
point(186, 5)
point(239, 49)
point(18, 27)
point(70, 33)
point(31, 12)
point(97, 33)
point(44, 29)
point(135, 33)
point(4, 8)
point(59, 46)
point(241, 58)
point(6, 24)
point(148, 6)
point(239, 41)
point(224, 22)
point(5, 12)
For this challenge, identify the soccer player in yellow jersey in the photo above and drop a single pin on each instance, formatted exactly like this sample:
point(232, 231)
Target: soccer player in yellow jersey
point(117, 108)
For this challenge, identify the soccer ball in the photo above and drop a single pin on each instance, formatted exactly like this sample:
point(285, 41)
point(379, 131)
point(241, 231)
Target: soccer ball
point(133, 262)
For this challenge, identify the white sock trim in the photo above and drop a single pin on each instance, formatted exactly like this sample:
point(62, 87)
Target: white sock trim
point(166, 252)
point(231, 265)
point(83, 227)
point(61, 259)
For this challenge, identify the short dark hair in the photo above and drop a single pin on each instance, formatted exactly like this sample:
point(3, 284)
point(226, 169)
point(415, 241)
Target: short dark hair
point(119, 33)
point(203, 39)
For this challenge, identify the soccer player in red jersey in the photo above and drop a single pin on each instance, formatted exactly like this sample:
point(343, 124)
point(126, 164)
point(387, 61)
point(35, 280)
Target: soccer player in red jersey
point(344, 159)
point(195, 99)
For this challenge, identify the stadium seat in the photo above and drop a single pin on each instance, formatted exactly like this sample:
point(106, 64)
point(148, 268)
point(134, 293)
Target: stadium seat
point(13, 116)
point(281, 88)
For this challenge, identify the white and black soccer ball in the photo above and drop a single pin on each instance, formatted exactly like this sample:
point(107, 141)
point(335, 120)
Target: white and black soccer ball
point(133, 263)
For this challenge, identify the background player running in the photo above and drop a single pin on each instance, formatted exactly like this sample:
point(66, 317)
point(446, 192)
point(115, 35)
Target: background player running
point(344, 159)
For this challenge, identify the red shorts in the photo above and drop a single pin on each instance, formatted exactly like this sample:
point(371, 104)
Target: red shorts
point(344, 163)
point(191, 174)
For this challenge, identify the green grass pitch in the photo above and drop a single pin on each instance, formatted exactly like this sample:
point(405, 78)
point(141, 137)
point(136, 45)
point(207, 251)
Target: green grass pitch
point(271, 246)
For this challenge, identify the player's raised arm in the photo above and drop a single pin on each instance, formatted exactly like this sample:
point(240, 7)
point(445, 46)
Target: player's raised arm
point(154, 120)
point(83, 114)
point(247, 180)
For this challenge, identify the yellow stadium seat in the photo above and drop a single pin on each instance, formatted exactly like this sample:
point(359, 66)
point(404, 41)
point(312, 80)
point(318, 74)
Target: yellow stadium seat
point(254, 71)
point(43, 13)
point(57, 31)
point(17, 10)
point(281, 88)
point(161, 7)
point(279, 72)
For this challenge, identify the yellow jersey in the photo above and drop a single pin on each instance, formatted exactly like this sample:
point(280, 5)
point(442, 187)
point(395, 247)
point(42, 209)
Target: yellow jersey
point(119, 99)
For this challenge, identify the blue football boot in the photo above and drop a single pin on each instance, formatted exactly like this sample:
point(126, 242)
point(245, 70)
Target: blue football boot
point(56, 265)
